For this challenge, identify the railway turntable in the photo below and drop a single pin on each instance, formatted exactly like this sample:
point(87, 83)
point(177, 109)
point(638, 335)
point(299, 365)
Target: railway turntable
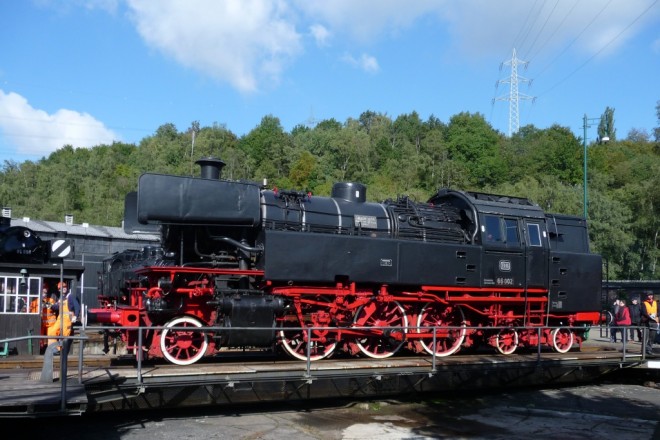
point(116, 383)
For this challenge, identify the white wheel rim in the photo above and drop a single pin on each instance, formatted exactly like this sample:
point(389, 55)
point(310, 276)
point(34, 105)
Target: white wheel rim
point(455, 347)
point(373, 355)
point(289, 348)
point(177, 322)
point(556, 347)
point(513, 346)
point(291, 345)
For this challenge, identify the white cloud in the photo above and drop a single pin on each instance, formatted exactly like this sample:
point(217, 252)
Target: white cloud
point(365, 62)
point(242, 42)
point(363, 20)
point(35, 132)
point(320, 33)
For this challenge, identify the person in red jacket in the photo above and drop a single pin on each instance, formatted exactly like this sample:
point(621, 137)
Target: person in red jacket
point(622, 319)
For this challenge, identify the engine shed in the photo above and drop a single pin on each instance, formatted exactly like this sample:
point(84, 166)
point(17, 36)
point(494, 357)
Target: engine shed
point(22, 280)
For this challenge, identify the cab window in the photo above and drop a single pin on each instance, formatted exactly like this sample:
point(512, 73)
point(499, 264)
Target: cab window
point(493, 233)
point(534, 232)
point(512, 237)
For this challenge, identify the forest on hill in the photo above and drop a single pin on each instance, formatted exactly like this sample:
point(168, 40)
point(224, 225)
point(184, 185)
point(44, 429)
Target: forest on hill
point(392, 156)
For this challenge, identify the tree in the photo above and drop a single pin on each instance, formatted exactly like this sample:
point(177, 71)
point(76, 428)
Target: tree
point(348, 149)
point(267, 146)
point(556, 151)
point(606, 125)
point(471, 140)
point(638, 135)
point(656, 130)
point(303, 170)
point(411, 129)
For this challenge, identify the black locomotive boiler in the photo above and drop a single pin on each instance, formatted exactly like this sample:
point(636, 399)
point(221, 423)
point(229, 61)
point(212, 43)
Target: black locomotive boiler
point(318, 275)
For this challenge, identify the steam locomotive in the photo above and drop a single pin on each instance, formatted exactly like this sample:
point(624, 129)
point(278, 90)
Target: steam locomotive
point(242, 266)
point(19, 244)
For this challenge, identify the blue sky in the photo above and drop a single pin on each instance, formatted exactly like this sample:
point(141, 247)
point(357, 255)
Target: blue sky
point(89, 72)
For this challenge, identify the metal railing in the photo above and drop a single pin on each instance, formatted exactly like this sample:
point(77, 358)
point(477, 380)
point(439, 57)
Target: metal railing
point(608, 331)
point(539, 346)
point(64, 343)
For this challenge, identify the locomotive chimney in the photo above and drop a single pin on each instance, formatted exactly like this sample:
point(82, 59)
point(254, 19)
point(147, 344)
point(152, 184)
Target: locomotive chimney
point(211, 167)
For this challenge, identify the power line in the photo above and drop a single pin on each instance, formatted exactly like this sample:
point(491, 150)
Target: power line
point(532, 25)
point(574, 40)
point(519, 39)
point(545, 23)
point(552, 34)
point(605, 46)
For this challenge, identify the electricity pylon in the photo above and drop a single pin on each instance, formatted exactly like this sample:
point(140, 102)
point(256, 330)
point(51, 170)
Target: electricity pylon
point(514, 96)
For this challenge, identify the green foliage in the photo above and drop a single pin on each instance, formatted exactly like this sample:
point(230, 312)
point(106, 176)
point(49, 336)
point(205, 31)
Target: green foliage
point(606, 125)
point(303, 170)
point(405, 156)
point(656, 130)
point(472, 141)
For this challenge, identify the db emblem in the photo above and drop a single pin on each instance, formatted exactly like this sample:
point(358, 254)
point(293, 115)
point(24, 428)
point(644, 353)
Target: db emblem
point(505, 265)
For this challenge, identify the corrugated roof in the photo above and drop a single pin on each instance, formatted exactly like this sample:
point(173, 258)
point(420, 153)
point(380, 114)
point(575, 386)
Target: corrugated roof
point(98, 231)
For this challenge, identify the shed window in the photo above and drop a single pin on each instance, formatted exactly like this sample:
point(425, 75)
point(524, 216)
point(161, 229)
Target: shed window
point(17, 293)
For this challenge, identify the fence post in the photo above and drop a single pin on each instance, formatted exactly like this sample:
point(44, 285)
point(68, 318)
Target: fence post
point(30, 342)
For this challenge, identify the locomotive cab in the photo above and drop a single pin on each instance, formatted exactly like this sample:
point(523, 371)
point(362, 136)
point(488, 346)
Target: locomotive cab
point(573, 269)
point(512, 234)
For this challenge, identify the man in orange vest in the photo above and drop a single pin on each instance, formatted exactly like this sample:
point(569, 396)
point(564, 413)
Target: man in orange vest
point(70, 313)
point(48, 315)
point(650, 319)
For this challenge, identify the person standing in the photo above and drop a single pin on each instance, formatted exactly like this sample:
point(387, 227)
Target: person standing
point(622, 319)
point(69, 314)
point(613, 327)
point(650, 320)
point(48, 315)
point(635, 320)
